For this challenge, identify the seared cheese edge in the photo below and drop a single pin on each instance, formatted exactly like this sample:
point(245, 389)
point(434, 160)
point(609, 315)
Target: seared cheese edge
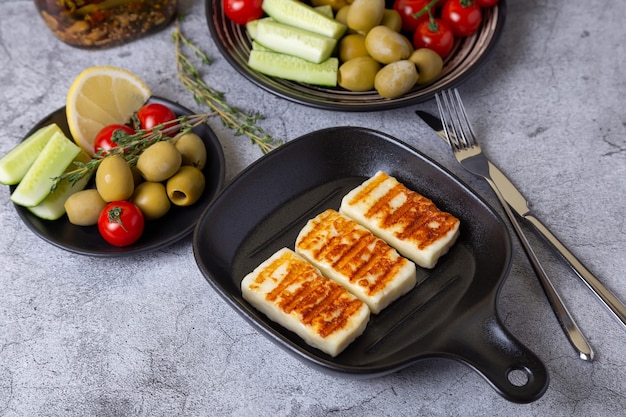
point(293, 293)
point(351, 255)
point(386, 207)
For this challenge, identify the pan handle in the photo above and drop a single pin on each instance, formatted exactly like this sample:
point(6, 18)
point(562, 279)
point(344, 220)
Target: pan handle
point(511, 368)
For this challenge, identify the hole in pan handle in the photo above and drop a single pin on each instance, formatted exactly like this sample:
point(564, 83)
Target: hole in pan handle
point(511, 368)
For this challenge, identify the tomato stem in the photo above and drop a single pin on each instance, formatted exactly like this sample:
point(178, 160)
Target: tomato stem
point(114, 215)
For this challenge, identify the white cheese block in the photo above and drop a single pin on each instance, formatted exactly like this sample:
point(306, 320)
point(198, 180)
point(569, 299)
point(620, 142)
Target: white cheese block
point(405, 219)
point(293, 293)
point(351, 255)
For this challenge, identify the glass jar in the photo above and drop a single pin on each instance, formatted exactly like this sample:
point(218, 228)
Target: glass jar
point(95, 24)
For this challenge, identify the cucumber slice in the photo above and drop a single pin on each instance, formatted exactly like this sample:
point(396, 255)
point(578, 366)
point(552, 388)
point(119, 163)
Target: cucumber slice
point(294, 68)
point(295, 13)
point(294, 41)
point(53, 206)
point(15, 164)
point(252, 26)
point(58, 153)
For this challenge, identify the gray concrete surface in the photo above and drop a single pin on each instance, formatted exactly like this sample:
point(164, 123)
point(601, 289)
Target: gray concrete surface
point(147, 336)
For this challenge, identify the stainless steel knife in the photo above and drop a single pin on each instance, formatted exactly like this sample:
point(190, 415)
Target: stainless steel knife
point(518, 203)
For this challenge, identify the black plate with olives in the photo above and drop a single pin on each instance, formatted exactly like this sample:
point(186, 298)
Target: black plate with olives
point(178, 223)
point(467, 55)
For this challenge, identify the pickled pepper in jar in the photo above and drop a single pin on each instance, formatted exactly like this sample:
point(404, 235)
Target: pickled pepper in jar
point(95, 24)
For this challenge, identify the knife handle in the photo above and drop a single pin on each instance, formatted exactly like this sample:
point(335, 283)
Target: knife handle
point(614, 305)
point(564, 317)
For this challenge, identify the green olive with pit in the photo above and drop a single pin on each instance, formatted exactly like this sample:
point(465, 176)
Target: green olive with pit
point(152, 200)
point(83, 207)
point(352, 46)
point(358, 74)
point(363, 15)
point(192, 150)
point(396, 79)
point(186, 186)
point(114, 179)
point(159, 161)
point(429, 64)
point(392, 19)
point(387, 46)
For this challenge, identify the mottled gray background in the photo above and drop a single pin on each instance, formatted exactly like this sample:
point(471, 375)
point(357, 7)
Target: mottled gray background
point(147, 336)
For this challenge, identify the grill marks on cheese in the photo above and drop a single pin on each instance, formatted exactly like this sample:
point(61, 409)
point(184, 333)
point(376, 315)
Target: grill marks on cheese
point(405, 219)
point(356, 253)
point(415, 217)
point(352, 256)
point(293, 293)
point(320, 303)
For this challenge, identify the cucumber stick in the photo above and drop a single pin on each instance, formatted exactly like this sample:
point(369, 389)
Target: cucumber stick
point(53, 206)
point(58, 153)
point(294, 68)
point(15, 164)
point(295, 13)
point(294, 41)
point(251, 26)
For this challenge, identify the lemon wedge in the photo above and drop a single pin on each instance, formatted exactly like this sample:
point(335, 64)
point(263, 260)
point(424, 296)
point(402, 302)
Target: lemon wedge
point(100, 96)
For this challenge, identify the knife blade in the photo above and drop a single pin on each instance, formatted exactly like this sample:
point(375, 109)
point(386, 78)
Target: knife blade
point(518, 203)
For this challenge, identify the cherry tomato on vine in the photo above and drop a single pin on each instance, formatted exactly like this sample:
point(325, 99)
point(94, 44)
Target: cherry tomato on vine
point(121, 223)
point(153, 114)
point(407, 8)
point(463, 16)
point(487, 3)
point(242, 11)
point(436, 35)
point(104, 138)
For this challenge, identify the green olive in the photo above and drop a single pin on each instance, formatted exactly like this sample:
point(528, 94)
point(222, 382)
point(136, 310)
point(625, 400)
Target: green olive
point(152, 200)
point(342, 15)
point(392, 19)
point(335, 4)
point(387, 46)
point(352, 46)
point(114, 179)
point(429, 64)
point(159, 161)
point(84, 207)
point(363, 15)
point(186, 186)
point(396, 79)
point(192, 150)
point(358, 73)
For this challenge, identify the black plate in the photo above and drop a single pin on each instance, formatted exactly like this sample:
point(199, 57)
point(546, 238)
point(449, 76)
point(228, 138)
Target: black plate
point(175, 225)
point(466, 57)
point(451, 314)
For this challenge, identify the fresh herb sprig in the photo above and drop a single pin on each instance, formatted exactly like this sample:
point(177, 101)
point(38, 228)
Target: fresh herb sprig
point(130, 147)
point(241, 122)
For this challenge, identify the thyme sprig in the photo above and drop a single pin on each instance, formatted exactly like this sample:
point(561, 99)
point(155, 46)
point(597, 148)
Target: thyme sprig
point(232, 117)
point(130, 147)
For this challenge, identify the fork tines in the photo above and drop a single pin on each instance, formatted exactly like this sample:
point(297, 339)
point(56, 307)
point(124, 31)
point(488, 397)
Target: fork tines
point(455, 122)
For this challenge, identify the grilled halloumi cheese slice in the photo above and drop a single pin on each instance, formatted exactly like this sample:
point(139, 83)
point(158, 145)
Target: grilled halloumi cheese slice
point(351, 255)
point(293, 293)
point(405, 219)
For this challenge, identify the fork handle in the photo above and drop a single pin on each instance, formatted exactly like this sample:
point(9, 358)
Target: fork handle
point(614, 305)
point(564, 317)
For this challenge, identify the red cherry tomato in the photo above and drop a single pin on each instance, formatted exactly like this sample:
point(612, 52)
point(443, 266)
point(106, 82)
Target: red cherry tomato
point(242, 11)
point(121, 223)
point(154, 114)
point(463, 16)
point(487, 3)
point(436, 35)
point(407, 8)
point(104, 138)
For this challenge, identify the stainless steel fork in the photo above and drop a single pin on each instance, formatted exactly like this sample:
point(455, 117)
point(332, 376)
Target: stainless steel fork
point(461, 138)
